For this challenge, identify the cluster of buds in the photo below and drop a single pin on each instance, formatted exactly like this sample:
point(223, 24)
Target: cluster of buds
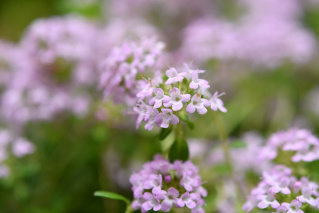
point(283, 192)
point(180, 92)
point(161, 185)
point(303, 145)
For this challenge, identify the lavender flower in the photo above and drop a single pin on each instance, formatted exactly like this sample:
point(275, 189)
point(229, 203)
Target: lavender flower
point(176, 99)
point(197, 103)
point(63, 49)
point(154, 92)
point(257, 38)
point(268, 199)
point(58, 73)
point(12, 59)
point(279, 181)
point(300, 141)
point(12, 144)
point(216, 103)
point(159, 98)
point(161, 185)
point(173, 76)
point(122, 70)
point(293, 207)
point(165, 117)
point(196, 82)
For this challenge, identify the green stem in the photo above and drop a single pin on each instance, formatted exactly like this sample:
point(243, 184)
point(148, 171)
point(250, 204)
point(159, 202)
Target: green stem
point(129, 208)
point(226, 149)
point(179, 131)
point(179, 134)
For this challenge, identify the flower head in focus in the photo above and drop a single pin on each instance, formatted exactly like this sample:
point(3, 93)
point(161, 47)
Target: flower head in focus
point(162, 185)
point(181, 94)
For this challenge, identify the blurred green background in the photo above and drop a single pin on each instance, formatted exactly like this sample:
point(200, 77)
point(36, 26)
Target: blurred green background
point(75, 157)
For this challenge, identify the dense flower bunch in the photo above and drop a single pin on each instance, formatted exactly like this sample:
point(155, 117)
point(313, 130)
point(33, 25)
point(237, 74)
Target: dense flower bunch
point(160, 185)
point(9, 143)
point(54, 73)
point(180, 93)
point(126, 67)
point(303, 145)
point(62, 49)
point(11, 60)
point(281, 191)
point(122, 29)
point(258, 38)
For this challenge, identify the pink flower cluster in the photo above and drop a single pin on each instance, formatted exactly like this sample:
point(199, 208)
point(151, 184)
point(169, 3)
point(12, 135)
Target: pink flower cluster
point(266, 35)
point(182, 92)
point(126, 66)
point(9, 143)
point(11, 60)
point(53, 69)
point(301, 142)
point(62, 49)
point(283, 192)
point(128, 77)
point(161, 185)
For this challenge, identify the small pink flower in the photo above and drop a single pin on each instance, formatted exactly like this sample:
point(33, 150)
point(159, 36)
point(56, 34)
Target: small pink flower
point(281, 186)
point(151, 203)
point(143, 112)
point(282, 209)
point(197, 103)
point(165, 117)
point(173, 76)
point(306, 196)
point(196, 82)
point(251, 202)
point(216, 103)
point(186, 200)
point(306, 153)
point(150, 123)
point(189, 72)
point(268, 199)
point(170, 199)
point(22, 147)
point(176, 99)
point(293, 207)
point(159, 98)
point(153, 181)
point(146, 89)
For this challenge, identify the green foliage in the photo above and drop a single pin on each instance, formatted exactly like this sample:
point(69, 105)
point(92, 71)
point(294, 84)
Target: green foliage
point(89, 9)
point(238, 144)
point(179, 150)
point(165, 132)
point(111, 195)
point(189, 123)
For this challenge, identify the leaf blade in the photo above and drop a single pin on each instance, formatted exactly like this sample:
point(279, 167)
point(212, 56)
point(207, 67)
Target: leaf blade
point(179, 151)
point(111, 195)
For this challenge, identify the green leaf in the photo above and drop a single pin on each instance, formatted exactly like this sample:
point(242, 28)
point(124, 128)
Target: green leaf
point(184, 118)
point(111, 195)
point(165, 132)
point(238, 144)
point(179, 150)
point(190, 124)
